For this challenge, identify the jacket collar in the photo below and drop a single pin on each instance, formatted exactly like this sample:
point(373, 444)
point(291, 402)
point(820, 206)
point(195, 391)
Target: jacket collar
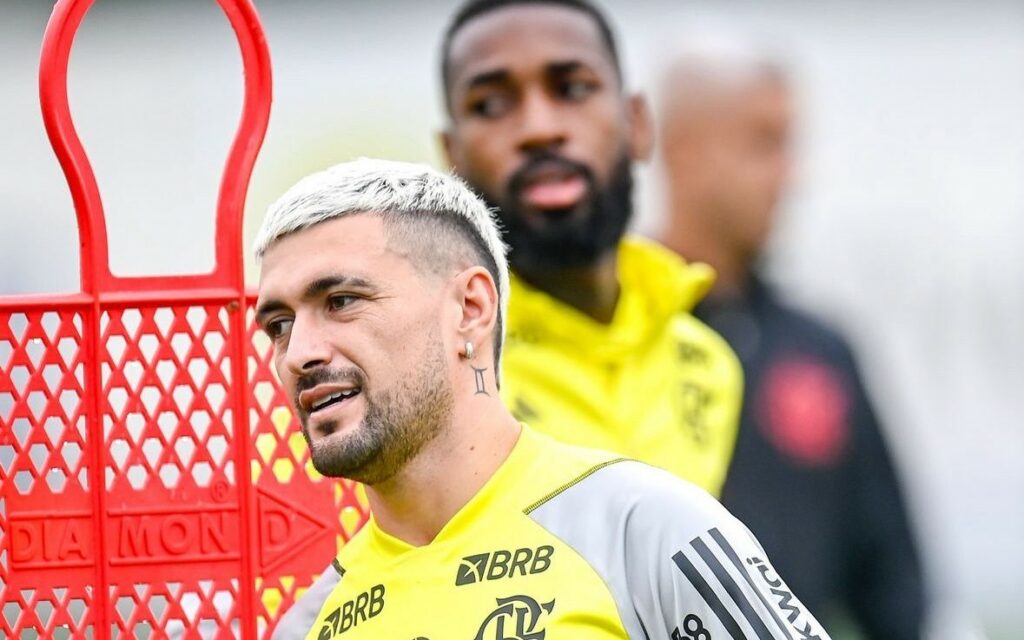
point(656, 285)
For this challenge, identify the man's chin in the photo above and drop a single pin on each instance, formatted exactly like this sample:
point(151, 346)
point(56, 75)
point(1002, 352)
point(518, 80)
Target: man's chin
point(561, 249)
point(348, 465)
point(335, 450)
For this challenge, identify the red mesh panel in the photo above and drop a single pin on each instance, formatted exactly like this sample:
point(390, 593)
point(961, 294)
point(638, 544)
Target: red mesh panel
point(169, 541)
point(172, 500)
point(153, 481)
point(47, 529)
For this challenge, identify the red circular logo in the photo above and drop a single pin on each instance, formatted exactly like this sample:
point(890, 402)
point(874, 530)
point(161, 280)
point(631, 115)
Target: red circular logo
point(803, 405)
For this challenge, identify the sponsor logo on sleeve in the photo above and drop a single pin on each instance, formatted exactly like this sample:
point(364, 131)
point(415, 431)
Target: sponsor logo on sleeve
point(705, 564)
point(500, 564)
point(786, 603)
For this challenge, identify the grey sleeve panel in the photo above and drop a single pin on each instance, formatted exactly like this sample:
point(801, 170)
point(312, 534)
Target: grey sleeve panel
point(678, 565)
point(299, 619)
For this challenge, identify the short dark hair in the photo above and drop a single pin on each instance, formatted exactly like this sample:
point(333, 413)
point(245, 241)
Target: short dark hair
point(476, 8)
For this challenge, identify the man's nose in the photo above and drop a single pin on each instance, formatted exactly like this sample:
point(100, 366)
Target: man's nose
point(542, 125)
point(308, 346)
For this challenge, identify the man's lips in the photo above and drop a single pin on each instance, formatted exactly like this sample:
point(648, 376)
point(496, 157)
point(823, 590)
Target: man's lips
point(553, 185)
point(559, 193)
point(325, 395)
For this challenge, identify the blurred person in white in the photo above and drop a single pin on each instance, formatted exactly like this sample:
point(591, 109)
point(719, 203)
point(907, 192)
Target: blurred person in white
point(811, 474)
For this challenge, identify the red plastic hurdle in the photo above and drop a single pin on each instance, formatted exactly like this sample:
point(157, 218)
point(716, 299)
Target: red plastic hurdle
point(152, 478)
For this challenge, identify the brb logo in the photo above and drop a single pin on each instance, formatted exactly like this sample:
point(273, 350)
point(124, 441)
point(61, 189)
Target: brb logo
point(516, 618)
point(503, 564)
point(365, 606)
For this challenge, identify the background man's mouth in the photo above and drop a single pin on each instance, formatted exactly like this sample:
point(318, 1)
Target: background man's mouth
point(563, 192)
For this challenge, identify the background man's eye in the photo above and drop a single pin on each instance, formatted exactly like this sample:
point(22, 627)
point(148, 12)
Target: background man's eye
point(490, 107)
point(577, 89)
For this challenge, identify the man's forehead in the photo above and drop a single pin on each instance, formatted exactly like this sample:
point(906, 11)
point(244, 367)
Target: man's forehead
point(355, 244)
point(503, 35)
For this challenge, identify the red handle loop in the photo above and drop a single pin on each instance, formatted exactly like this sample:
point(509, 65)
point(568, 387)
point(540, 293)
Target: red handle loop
point(96, 276)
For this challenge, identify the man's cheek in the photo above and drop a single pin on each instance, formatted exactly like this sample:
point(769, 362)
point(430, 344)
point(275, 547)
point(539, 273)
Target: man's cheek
point(487, 159)
point(286, 381)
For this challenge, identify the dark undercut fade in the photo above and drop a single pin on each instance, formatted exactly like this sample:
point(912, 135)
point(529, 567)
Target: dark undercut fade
point(475, 8)
point(451, 242)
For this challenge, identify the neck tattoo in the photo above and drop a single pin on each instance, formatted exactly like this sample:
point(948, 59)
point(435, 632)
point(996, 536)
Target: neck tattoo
point(481, 386)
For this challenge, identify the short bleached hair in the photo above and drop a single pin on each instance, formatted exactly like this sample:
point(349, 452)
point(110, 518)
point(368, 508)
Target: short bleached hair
point(425, 207)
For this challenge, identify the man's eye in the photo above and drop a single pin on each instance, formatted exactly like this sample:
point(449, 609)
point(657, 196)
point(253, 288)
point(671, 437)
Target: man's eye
point(491, 106)
point(278, 329)
point(339, 302)
point(577, 89)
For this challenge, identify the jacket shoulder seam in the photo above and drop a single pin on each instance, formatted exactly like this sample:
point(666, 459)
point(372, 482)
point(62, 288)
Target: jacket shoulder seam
point(568, 485)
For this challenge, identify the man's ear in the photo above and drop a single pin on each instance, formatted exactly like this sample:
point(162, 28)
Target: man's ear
point(477, 296)
point(641, 130)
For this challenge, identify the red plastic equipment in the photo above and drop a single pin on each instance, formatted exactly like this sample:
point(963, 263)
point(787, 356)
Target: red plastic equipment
point(152, 477)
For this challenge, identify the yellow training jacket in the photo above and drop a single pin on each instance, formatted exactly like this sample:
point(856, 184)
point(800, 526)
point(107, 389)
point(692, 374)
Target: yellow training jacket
point(566, 544)
point(655, 384)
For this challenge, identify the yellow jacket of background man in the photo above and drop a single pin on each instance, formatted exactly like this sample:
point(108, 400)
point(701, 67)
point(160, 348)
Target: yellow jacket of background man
point(655, 384)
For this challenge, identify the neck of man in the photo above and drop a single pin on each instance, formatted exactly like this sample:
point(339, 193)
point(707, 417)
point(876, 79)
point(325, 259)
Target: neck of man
point(690, 235)
point(592, 289)
point(416, 503)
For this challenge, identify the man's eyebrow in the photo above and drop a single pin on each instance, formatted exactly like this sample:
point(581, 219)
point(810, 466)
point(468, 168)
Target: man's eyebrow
point(313, 290)
point(562, 68)
point(320, 285)
point(267, 307)
point(496, 76)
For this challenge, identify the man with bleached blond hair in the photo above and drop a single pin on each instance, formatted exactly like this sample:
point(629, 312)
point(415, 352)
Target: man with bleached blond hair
point(383, 288)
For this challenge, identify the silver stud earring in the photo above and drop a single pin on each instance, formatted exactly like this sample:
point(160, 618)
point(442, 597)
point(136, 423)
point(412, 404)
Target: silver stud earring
point(470, 351)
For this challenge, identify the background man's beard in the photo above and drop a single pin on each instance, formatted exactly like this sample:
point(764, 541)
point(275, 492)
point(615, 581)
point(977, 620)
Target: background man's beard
point(575, 241)
point(398, 424)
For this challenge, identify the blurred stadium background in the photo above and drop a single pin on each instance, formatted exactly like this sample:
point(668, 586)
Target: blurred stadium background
point(905, 229)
